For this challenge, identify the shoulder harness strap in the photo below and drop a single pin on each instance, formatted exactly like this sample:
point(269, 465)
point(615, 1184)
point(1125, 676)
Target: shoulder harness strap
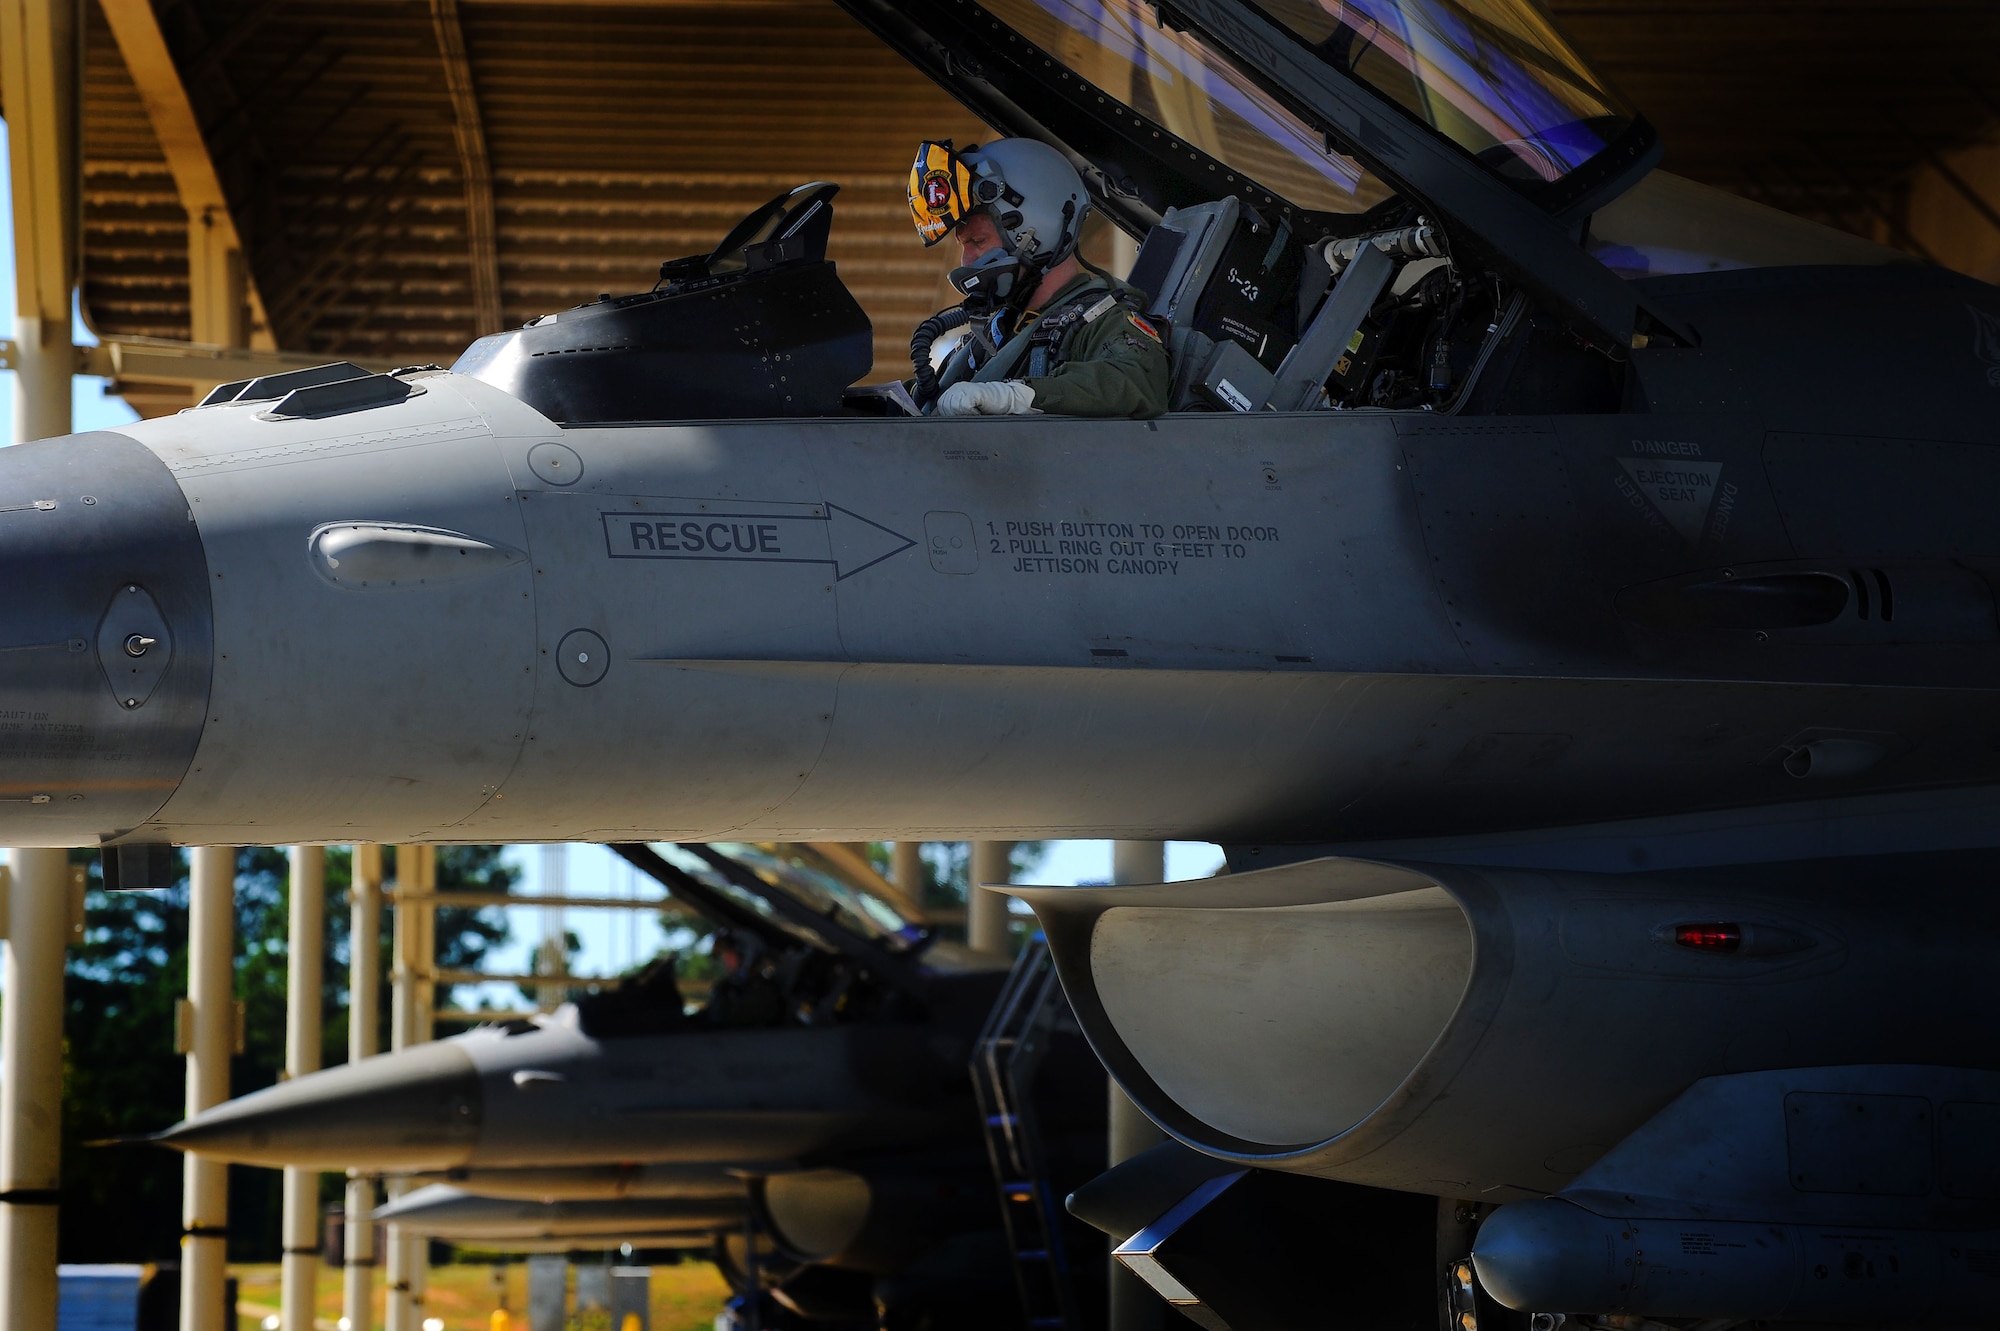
point(1045, 344)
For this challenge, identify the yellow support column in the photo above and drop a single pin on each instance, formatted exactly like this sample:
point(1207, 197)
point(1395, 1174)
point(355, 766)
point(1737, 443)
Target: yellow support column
point(364, 1014)
point(906, 869)
point(210, 1016)
point(986, 912)
point(38, 69)
point(1134, 1307)
point(303, 981)
point(31, 968)
point(410, 1022)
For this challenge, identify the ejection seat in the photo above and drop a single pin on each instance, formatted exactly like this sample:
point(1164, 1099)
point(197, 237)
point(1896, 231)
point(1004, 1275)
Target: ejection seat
point(1230, 287)
point(1256, 318)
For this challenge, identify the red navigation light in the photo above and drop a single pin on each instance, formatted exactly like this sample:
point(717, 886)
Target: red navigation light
point(1709, 937)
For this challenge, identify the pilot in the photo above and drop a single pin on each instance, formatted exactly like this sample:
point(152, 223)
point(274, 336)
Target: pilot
point(747, 993)
point(1047, 335)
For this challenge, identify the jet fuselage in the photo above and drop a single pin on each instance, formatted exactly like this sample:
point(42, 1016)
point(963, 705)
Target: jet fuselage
point(447, 619)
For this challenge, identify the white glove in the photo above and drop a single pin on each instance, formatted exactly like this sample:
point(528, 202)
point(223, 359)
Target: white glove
point(1009, 397)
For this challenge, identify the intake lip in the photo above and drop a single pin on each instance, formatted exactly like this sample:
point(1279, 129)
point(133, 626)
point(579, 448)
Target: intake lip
point(1476, 1031)
point(1265, 1017)
point(85, 753)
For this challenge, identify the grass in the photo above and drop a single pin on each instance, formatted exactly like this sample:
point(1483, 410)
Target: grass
point(685, 1297)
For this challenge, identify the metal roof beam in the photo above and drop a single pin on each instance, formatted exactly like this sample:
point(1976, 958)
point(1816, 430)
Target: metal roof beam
point(481, 228)
point(221, 287)
point(163, 361)
point(209, 63)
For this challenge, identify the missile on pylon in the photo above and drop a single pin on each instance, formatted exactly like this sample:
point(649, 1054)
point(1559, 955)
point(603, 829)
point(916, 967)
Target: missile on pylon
point(601, 1182)
point(441, 1211)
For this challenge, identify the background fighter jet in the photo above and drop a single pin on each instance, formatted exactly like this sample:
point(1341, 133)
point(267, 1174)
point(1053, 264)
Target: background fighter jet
point(822, 1094)
point(823, 1038)
point(1567, 592)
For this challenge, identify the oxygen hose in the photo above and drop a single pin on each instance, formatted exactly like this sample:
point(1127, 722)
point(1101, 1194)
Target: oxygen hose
point(929, 331)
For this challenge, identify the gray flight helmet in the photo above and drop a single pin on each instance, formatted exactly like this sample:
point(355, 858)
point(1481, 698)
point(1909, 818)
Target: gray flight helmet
point(1034, 196)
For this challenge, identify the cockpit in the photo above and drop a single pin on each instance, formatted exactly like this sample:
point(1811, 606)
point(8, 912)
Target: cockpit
point(794, 936)
point(1342, 204)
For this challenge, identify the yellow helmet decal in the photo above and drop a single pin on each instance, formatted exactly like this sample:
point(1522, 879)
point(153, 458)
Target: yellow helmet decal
point(940, 191)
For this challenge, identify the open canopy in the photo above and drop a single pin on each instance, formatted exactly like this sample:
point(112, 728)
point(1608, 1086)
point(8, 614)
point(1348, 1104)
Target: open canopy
point(1493, 77)
point(1333, 112)
point(1203, 102)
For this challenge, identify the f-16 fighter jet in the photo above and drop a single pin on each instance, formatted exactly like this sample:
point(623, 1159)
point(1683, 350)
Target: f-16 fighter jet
point(1567, 592)
point(821, 1093)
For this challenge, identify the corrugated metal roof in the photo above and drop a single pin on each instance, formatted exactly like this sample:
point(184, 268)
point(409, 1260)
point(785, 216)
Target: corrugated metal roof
point(134, 262)
point(1820, 107)
point(617, 138)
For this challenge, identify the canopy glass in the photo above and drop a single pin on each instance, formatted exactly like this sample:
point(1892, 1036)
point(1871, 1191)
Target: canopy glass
point(806, 879)
point(1195, 93)
point(1493, 76)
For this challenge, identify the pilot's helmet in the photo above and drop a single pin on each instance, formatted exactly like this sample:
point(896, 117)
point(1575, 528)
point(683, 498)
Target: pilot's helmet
point(1032, 193)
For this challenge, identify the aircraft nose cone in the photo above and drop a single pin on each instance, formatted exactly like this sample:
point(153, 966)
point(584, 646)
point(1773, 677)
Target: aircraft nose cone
point(419, 1108)
point(105, 638)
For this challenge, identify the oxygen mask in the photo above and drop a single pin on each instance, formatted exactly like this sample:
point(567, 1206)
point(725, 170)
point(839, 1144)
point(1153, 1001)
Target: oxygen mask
point(993, 281)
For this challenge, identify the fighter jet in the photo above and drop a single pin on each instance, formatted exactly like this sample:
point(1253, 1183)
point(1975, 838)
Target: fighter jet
point(824, 1040)
point(1567, 593)
point(821, 1096)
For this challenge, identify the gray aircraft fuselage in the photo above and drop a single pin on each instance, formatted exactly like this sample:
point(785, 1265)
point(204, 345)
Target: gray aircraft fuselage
point(447, 619)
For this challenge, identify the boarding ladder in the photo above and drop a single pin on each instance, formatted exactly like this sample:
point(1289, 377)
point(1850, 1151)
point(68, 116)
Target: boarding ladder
point(1004, 1065)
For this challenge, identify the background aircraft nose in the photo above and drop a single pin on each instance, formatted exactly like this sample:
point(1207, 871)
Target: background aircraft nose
point(105, 638)
point(419, 1108)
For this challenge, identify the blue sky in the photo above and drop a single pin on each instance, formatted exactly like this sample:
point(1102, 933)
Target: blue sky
point(612, 940)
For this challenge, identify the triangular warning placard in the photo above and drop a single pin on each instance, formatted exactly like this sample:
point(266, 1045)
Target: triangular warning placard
point(1680, 490)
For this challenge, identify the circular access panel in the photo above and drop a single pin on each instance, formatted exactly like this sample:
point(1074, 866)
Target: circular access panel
point(555, 464)
point(582, 657)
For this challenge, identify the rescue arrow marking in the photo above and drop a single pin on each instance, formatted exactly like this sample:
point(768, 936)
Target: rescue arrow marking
point(806, 534)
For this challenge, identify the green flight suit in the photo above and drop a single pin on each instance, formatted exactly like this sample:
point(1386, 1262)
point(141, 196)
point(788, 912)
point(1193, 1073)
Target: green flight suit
point(1108, 361)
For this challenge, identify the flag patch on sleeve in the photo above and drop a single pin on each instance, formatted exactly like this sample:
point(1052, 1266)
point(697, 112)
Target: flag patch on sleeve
point(1144, 327)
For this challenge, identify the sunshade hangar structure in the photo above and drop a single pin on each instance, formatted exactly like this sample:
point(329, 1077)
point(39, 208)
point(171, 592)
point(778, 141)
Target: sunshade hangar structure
point(1567, 604)
point(392, 172)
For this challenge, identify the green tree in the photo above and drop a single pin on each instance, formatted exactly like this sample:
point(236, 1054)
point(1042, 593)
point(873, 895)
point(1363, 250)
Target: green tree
point(948, 873)
point(122, 1078)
